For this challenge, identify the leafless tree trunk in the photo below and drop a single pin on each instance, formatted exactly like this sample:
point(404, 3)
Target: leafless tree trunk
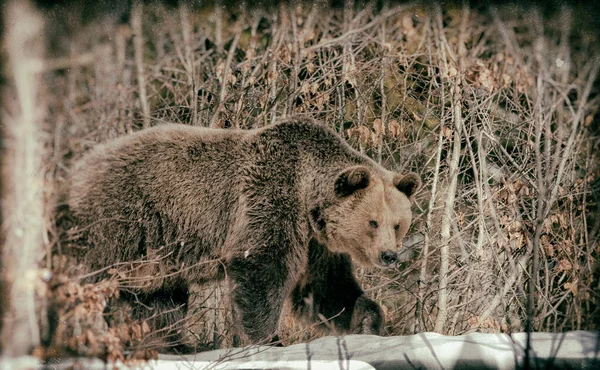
point(457, 118)
point(22, 177)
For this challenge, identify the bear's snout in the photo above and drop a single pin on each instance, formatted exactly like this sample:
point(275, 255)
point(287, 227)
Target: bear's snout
point(389, 258)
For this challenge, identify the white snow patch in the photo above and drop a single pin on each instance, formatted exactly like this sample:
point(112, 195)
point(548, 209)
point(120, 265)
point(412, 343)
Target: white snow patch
point(576, 349)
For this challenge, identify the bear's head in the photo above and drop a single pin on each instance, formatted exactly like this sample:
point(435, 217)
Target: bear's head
point(369, 216)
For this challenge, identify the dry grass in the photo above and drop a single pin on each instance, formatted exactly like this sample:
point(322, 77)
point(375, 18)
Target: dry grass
point(496, 109)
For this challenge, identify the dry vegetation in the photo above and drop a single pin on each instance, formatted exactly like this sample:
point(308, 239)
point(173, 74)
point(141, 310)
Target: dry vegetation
point(495, 108)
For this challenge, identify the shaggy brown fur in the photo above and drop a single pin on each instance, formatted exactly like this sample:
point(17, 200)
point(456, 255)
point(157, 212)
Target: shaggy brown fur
point(328, 290)
point(175, 204)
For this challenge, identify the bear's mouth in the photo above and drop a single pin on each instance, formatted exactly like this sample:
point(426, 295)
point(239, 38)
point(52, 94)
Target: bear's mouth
point(367, 261)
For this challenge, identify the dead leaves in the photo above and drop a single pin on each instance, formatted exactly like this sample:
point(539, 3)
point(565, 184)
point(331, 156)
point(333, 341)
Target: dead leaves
point(377, 132)
point(349, 72)
point(498, 72)
point(82, 327)
point(554, 220)
point(480, 75)
point(488, 325)
point(515, 234)
point(361, 132)
point(564, 265)
point(572, 287)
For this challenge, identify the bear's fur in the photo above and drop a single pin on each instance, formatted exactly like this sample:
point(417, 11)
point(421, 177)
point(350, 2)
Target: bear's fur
point(175, 204)
point(328, 290)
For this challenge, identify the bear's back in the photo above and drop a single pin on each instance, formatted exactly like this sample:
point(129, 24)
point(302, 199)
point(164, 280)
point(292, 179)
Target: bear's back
point(185, 175)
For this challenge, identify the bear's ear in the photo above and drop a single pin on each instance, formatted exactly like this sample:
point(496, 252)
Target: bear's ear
point(351, 180)
point(408, 183)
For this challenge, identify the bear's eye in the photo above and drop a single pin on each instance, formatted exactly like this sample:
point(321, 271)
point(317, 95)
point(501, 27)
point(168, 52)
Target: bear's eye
point(373, 224)
point(396, 227)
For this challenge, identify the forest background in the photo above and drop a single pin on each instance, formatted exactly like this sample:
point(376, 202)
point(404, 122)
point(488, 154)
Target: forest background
point(494, 106)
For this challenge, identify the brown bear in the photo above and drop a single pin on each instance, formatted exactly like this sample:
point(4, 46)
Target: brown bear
point(280, 211)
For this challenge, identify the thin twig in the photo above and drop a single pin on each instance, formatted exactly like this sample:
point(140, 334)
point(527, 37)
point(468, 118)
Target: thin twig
point(138, 45)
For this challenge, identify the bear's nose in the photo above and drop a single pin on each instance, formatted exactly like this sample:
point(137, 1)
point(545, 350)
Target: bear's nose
point(389, 257)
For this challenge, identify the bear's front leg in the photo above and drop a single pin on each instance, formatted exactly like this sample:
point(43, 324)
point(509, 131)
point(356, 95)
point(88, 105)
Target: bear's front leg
point(330, 292)
point(367, 317)
point(261, 285)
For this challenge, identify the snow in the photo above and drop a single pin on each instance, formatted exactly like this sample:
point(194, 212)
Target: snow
point(570, 350)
